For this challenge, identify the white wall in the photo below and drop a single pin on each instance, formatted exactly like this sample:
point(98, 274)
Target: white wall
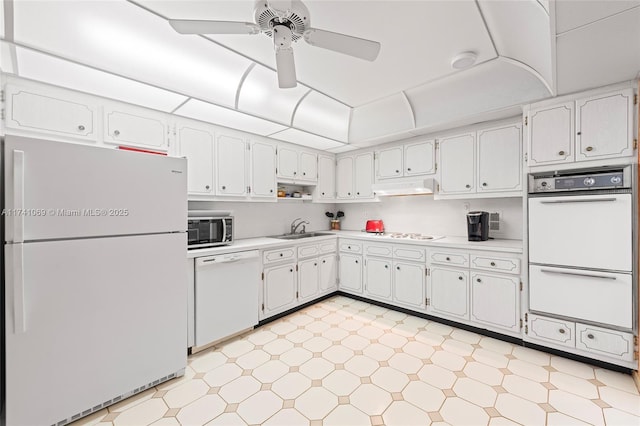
point(264, 219)
point(422, 214)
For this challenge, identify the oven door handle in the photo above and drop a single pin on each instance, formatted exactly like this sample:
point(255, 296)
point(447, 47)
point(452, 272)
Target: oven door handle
point(597, 200)
point(606, 277)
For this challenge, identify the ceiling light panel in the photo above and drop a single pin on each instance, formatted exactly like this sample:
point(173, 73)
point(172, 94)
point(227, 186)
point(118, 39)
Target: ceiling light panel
point(227, 117)
point(576, 13)
point(299, 137)
point(386, 116)
point(344, 148)
point(260, 95)
point(120, 37)
point(323, 116)
point(48, 69)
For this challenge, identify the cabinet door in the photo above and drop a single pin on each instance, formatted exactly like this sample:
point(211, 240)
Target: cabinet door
point(390, 163)
point(326, 178)
point(419, 158)
point(231, 166)
point(279, 292)
point(308, 166)
point(328, 273)
point(48, 114)
point(364, 175)
point(500, 159)
point(344, 178)
point(197, 146)
point(551, 135)
point(495, 301)
point(408, 284)
point(135, 128)
point(378, 278)
point(287, 163)
point(604, 126)
point(457, 164)
point(449, 293)
point(351, 273)
point(263, 170)
point(308, 280)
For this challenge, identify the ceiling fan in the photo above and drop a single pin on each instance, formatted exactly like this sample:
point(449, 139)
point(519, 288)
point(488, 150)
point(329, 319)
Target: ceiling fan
point(286, 22)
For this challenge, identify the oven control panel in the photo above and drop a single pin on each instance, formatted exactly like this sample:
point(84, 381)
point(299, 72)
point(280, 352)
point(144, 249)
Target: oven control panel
point(612, 179)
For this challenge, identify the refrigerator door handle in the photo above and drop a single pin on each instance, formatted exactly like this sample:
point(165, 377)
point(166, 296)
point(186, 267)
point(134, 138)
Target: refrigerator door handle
point(17, 261)
point(18, 196)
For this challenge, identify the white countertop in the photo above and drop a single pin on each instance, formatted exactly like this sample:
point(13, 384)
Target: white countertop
point(260, 243)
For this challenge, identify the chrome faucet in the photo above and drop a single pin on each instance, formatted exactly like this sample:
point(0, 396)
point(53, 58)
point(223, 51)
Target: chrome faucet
point(295, 226)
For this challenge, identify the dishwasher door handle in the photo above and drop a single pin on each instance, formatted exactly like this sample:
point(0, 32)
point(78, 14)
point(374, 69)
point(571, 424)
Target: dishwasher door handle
point(596, 200)
point(606, 277)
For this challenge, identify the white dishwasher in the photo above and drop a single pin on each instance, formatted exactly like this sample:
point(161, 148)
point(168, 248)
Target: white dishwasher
point(226, 295)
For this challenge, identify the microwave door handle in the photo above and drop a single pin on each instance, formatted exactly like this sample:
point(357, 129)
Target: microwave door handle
point(224, 230)
point(598, 200)
point(606, 277)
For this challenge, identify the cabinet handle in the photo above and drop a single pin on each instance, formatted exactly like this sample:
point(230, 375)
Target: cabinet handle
point(224, 187)
point(295, 173)
point(579, 133)
point(349, 247)
point(589, 148)
point(291, 270)
point(561, 331)
point(324, 261)
point(408, 169)
point(348, 193)
point(206, 187)
point(386, 266)
point(116, 132)
point(460, 278)
point(397, 171)
point(357, 193)
point(397, 268)
point(484, 183)
point(590, 336)
point(315, 264)
point(561, 153)
point(81, 127)
point(356, 261)
point(281, 254)
point(467, 186)
point(323, 193)
point(448, 259)
point(271, 191)
point(478, 280)
point(493, 263)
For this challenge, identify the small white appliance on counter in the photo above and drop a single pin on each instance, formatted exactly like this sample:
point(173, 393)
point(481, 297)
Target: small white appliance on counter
point(581, 257)
point(95, 287)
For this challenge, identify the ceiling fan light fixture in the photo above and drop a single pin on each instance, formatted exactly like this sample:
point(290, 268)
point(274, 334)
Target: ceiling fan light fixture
point(463, 60)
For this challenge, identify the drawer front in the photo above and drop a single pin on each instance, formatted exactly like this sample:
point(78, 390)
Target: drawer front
point(406, 252)
point(552, 330)
point(500, 264)
point(615, 344)
point(273, 256)
point(328, 247)
point(382, 250)
point(448, 258)
point(308, 251)
point(351, 246)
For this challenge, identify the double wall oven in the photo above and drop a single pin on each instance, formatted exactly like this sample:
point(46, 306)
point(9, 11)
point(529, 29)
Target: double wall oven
point(582, 246)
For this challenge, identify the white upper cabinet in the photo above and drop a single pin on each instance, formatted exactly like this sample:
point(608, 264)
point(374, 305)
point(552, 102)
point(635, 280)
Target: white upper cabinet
point(263, 170)
point(597, 127)
point(363, 175)
point(297, 165)
point(50, 112)
point(344, 178)
point(457, 164)
point(551, 134)
point(406, 160)
point(231, 166)
point(136, 127)
point(499, 161)
point(604, 126)
point(326, 189)
point(196, 144)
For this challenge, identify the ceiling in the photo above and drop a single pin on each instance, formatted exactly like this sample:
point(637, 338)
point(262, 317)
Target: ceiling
point(126, 50)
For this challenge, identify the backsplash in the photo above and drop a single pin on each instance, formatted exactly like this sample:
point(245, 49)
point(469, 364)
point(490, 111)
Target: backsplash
point(422, 214)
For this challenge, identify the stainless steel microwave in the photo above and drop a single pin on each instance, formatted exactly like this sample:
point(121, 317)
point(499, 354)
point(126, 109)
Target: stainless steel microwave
point(209, 231)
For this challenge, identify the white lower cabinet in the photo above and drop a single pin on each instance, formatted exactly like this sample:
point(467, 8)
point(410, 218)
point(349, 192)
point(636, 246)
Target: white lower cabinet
point(408, 284)
point(350, 273)
point(378, 279)
point(495, 300)
point(279, 289)
point(609, 343)
point(449, 292)
point(328, 277)
point(308, 280)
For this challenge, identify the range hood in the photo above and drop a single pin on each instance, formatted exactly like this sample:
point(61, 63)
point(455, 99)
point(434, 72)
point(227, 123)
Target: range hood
point(407, 187)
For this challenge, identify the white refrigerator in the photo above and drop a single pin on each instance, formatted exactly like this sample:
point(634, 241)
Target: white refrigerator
point(95, 283)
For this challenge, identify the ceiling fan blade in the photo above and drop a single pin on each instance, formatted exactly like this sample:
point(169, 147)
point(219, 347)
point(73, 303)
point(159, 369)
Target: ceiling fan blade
point(187, 26)
point(286, 68)
point(342, 43)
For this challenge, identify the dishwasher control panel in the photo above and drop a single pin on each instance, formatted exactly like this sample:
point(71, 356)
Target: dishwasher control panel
point(580, 181)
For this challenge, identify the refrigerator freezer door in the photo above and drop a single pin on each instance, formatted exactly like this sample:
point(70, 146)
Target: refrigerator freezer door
point(102, 317)
point(57, 190)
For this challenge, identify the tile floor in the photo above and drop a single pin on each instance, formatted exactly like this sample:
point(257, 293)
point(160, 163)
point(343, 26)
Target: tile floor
point(346, 362)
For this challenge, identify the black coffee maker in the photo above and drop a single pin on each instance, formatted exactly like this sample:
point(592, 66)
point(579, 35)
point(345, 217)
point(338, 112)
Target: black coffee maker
point(478, 226)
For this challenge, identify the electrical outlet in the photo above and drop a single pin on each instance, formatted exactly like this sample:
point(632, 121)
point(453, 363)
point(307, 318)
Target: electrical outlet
point(467, 207)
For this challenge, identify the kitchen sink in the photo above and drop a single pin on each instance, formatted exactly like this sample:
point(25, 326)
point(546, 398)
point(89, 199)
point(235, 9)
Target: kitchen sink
point(299, 236)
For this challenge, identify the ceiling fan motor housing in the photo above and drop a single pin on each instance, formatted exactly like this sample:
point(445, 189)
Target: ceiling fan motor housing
point(296, 18)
